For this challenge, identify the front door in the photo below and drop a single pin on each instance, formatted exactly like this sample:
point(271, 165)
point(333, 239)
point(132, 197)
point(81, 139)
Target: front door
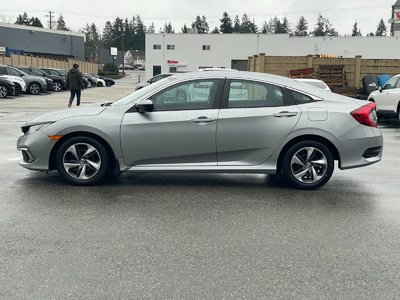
point(180, 130)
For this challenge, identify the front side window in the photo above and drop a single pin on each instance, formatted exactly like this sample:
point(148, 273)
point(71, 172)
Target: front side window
point(198, 94)
point(391, 84)
point(254, 94)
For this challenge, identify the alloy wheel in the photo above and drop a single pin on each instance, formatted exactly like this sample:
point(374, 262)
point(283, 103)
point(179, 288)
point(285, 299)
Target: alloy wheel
point(309, 165)
point(81, 161)
point(3, 91)
point(34, 88)
point(57, 86)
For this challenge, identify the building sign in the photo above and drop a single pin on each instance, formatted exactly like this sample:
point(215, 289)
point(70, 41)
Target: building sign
point(172, 62)
point(2, 50)
point(10, 51)
point(113, 51)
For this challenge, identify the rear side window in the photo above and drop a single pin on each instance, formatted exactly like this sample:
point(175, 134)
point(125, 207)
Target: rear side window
point(243, 93)
point(300, 98)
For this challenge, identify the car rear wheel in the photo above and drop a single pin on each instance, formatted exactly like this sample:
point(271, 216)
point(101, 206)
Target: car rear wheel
point(34, 88)
point(308, 165)
point(99, 84)
point(82, 161)
point(3, 91)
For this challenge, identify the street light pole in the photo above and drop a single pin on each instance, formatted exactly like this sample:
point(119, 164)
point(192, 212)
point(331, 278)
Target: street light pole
point(123, 51)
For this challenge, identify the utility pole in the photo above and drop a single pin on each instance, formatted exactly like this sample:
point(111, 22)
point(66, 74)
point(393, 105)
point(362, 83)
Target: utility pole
point(50, 18)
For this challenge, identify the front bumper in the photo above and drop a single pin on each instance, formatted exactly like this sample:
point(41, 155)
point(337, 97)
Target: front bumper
point(36, 149)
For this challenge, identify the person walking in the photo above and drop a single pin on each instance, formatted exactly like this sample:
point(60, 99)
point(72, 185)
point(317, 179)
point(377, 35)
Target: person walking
point(75, 84)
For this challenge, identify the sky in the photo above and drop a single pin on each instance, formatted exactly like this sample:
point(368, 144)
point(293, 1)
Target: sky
point(341, 13)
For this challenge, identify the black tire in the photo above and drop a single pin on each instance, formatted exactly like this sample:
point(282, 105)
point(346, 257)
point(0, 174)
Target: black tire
point(34, 88)
point(99, 84)
point(108, 84)
point(57, 86)
point(82, 161)
point(18, 89)
point(311, 161)
point(3, 91)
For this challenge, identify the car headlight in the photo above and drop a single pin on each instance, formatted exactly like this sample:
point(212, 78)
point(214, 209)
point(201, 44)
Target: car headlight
point(30, 129)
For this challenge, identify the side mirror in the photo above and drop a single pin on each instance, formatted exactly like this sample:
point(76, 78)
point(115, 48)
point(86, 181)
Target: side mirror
point(380, 89)
point(145, 106)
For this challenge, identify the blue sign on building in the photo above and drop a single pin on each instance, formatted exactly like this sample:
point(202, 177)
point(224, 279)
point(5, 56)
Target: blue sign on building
point(10, 51)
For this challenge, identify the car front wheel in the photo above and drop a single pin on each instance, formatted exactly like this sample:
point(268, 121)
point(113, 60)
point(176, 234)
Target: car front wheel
point(34, 88)
point(57, 86)
point(82, 161)
point(307, 165)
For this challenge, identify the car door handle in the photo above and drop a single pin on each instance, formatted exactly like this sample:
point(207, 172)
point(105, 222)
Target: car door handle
point(202, 120)
point(285, 114)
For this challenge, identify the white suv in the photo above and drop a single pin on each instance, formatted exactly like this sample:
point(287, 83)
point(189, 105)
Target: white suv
point(387, 98)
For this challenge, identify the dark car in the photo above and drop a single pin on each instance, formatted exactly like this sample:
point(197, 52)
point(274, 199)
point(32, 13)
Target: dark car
point(7, 88)
point(92, 81)
point(109, 81)
point(52, 71)
point(59, 82)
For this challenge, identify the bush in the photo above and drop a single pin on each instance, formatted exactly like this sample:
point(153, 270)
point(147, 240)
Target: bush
point(110, 69)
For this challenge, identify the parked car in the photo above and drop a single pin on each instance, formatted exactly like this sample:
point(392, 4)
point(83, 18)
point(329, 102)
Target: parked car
point(387, 98)
point(93, 81)
point(315, 82)
point(7, 88)
point(276, 126)
point(59, 82)
point(20, 85)
point(104, 81)
point(152, 80)
point(34, 84)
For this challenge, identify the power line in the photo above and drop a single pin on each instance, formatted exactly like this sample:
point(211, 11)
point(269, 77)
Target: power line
point(50, 22)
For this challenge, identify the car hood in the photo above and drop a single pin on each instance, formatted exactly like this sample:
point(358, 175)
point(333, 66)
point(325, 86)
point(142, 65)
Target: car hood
point(33, 77)
point(87, 110)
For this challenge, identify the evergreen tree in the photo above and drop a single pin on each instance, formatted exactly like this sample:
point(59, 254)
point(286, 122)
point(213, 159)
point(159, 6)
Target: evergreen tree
point(23, 20)
point(226, 24)
point(184, 29)
point(168, 28)
point(247, 26)
point(61, 24)
point(281, 27)
point(356, 31)
point(301, 27)
point(151, 28)
point(201, 24)
point(324, 27)
point(107, 35)
point(266, 28)
point(35, 22)
point(215, 30)
point(236, 24)
point(381, 29)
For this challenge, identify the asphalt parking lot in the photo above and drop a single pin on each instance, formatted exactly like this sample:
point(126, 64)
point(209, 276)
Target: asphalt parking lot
point(194, 236)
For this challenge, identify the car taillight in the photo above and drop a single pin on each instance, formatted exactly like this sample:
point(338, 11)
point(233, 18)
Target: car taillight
point(366, 115)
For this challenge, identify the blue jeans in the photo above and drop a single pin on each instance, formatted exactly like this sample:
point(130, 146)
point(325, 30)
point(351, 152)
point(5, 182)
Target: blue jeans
point(78, 97)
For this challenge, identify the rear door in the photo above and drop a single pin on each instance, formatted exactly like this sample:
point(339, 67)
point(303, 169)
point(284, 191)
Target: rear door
point(254, 120)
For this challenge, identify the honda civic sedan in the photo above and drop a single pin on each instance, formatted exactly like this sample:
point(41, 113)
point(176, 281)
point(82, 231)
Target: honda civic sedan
point(229, 122)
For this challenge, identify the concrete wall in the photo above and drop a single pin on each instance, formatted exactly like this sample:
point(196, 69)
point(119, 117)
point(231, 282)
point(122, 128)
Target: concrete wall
point(42, 41)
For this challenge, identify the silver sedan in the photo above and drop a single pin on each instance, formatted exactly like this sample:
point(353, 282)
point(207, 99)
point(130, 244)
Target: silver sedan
point(230, 122)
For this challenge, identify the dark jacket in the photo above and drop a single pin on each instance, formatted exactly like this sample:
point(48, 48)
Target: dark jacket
point(74, 80)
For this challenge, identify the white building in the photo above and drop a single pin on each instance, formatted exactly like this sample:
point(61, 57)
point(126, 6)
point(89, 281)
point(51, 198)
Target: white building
point(189, 52)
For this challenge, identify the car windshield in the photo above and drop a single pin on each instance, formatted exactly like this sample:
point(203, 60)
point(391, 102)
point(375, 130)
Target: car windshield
point(135, 96)
point(37, 72)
